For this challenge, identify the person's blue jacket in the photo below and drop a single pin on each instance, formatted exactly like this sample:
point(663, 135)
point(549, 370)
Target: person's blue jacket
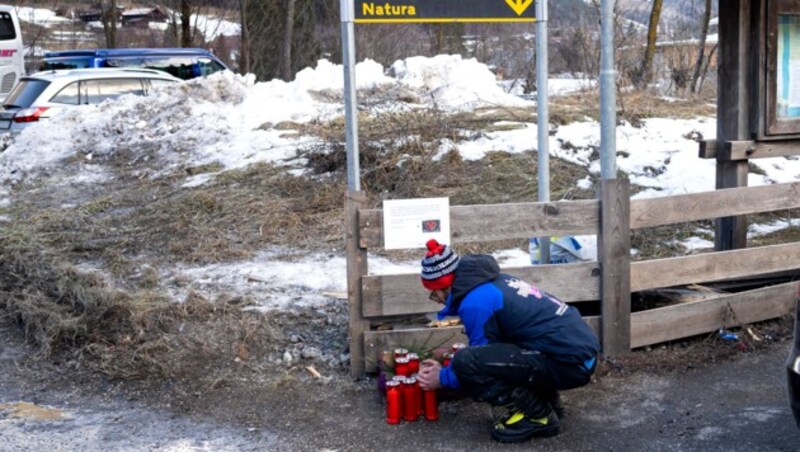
point(499, 308)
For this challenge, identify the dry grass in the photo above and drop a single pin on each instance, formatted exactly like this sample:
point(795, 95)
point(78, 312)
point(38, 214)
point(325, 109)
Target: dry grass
point(634, 106)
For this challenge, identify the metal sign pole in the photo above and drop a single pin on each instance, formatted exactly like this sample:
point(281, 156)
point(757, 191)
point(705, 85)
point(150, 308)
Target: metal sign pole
point(542, 118)
point(608, 94)
point(350, 101)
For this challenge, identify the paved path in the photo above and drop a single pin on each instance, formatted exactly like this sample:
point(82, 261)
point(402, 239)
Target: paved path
point(735, 405)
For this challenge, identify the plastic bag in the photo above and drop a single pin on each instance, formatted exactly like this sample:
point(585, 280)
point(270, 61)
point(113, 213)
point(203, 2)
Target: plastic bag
point(563, 250)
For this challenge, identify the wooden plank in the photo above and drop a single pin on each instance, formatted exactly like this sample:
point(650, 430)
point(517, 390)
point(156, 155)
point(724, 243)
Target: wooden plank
point(356, 268)
point(391, 295)
point(421, 338)
point(488, 222)
point(716, 266)
point(418, 339)
point(698, 317)
point(708, 149)
point(614, 253)
point(699, 206)
point(743, 150)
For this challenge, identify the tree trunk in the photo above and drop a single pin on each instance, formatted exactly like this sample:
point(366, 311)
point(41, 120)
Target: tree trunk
point(109, 15)
point(186, 24)
point(287, 40)
point(652, 35)
point(698, 66)
point(705, 67)
point(245, 50)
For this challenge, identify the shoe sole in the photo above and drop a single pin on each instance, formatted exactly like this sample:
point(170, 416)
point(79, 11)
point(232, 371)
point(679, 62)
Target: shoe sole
point(543, 432)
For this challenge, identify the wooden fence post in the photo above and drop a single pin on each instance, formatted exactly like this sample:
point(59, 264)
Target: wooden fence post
point(614, 249)
point(356, 268)
point(738, 64)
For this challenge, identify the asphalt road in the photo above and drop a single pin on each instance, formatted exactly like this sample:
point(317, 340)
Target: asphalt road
point(730, 406)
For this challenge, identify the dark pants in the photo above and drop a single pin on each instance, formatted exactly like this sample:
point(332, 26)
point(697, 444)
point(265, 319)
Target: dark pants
point(504, 373)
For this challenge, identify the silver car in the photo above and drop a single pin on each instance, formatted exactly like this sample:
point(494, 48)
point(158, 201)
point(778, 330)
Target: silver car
point(40, 96)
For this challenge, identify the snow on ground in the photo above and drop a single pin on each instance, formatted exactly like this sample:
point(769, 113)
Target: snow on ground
point(229, 119)
point(211, 27)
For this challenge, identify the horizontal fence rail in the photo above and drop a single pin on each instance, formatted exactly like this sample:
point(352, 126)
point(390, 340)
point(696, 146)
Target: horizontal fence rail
point(388, 295)
point(746, 150)
point(488, 222)
point(714, 204)
point(716, 266)
point(689, 319)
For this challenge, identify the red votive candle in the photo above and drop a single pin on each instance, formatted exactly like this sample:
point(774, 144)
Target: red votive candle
point(431, 405)
point(410, 400)
point(400, 352)
point(401, 366)
point(394, 402)
point(418, 394)
point(413, 363)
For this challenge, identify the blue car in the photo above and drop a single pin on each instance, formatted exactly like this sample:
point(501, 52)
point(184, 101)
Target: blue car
point(180, 62)
point(793, 366)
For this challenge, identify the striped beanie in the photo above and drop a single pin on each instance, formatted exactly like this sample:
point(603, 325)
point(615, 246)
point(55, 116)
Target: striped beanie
point(438, 266)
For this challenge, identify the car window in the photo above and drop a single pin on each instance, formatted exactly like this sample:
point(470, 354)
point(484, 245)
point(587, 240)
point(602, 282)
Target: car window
point(97, 91)
point(209, 66)
point(25, 93)
point(65, 63)
point(7, 31)
point(181, 67)
point(68, 95)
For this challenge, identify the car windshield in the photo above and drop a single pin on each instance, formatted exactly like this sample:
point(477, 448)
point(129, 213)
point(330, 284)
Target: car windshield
point(25, 93)
point(65, 63)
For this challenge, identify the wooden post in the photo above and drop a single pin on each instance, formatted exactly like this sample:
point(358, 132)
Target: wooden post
point(356, 268)
point(734, 90)
point(614, 253)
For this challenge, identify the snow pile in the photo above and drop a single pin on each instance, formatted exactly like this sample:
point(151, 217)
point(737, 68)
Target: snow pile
point(454, 83)
point(40, 16)
point(228, 119)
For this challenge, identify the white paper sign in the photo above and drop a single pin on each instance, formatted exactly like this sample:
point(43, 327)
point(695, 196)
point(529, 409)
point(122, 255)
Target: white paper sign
point(409, 223)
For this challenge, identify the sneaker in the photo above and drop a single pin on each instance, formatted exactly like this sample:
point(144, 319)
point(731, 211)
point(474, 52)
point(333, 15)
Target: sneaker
point(518, 428)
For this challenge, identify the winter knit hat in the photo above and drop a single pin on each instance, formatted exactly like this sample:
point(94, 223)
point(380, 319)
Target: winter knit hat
point(438, 266)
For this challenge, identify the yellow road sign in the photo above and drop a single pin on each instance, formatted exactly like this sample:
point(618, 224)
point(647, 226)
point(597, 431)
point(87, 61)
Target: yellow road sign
point(410, 11)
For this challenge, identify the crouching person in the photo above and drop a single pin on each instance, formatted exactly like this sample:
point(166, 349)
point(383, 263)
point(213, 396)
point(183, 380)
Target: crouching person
point(525, 345)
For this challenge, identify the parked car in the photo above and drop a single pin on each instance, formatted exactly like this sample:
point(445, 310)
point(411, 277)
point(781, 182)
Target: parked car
point(793, 365)
point(182, 63)
point(39, 96)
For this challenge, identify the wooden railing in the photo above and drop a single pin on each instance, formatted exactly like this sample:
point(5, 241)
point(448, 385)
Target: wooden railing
point(377, 299)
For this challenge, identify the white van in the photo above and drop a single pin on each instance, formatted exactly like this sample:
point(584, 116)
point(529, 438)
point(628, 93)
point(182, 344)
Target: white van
point(12, 58)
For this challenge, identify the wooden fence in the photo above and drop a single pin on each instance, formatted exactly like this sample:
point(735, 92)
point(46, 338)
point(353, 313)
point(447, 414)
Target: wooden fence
point(375, 299)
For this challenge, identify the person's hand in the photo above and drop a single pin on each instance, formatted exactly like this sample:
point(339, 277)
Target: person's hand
point(429, 375)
